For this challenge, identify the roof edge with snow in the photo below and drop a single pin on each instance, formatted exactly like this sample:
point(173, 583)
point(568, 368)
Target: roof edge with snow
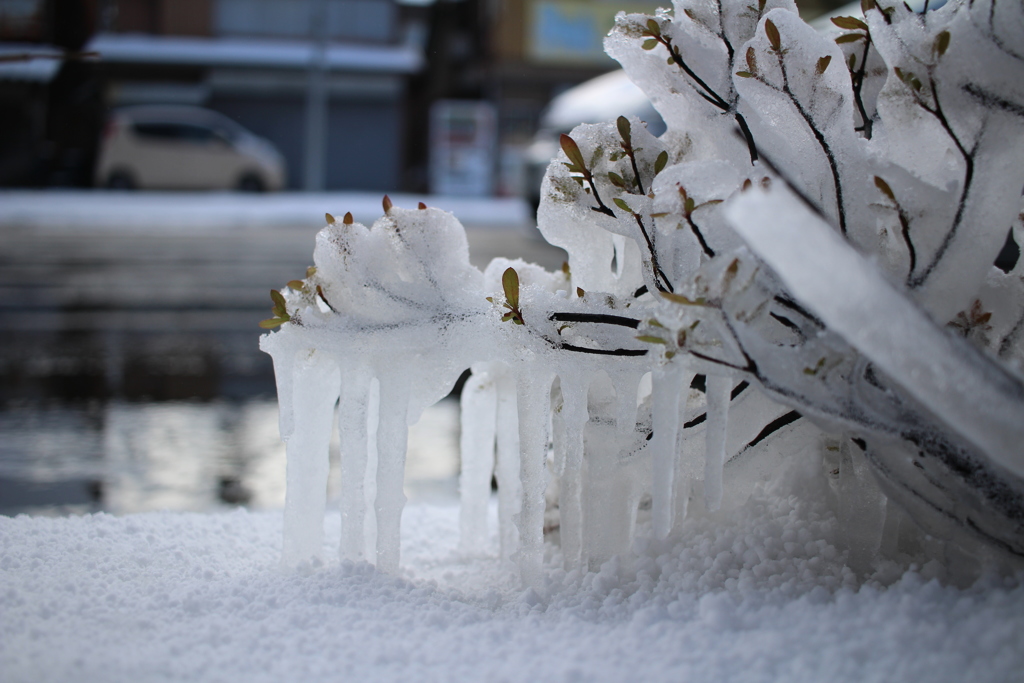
point(252, 52)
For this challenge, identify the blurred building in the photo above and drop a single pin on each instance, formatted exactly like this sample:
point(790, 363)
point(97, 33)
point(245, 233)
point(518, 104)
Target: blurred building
point(354, 81)
point(50, 107)
point(539, 49)
point(261, 62)
point(513, 54)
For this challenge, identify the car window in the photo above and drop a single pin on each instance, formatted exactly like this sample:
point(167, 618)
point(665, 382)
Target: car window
point(174, 132)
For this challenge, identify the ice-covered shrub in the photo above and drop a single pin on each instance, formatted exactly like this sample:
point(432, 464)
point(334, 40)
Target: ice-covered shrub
point(802, 261)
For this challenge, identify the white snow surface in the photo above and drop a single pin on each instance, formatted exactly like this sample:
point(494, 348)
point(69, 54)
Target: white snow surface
point(117, 211)
point(759, 593)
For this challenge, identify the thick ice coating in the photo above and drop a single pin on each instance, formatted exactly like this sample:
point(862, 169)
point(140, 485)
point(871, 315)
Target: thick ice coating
point(802, 263)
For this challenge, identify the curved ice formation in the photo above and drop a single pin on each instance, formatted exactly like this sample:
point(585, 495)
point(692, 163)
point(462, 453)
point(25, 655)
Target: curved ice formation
point(802, 262)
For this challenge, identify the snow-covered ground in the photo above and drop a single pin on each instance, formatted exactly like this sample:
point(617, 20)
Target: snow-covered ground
point(756, 594)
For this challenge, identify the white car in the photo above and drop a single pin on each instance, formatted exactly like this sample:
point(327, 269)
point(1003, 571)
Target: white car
point(185, 148)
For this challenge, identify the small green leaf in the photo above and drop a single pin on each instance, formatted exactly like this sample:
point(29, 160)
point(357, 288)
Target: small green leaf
point(622, 204)
point(689, 205)
point(330, 219)
point(941, 43)
point(278, 299)
point(653, 27)
point(730, 274)
point(816, 369)
point(572, 151)
point(885, 189)
point(654, 323)
point(651, 339)
point(320, 293)
point(297, 285)
point(271, 323)
point(866, 5)
point(510, 283)
point(772, 31)
point(622, 123)
point(617, 180)
point(489, 298)
point(680, 299)
point(311, 271)
point(670, 61)
point(650, 44)
point(852, 62)
point(660, 162)
point(849, 38)
point(744, 74)
point(850, 23)
point(823, 64)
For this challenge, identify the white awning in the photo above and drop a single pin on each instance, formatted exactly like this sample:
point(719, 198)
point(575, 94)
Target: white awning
point(33, 63)
point(251, 52)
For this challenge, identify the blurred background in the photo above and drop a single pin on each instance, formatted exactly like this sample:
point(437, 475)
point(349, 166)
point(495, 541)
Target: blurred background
point(164, 163)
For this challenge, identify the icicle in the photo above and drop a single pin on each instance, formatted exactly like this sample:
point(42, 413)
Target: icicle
point(688, 452)
point(666, 389)
point(284, 376)
point(510, 489)
point(533, 400)
point(570, 504)
point(314, 392)
point(392, 440)
point(479, 414)
point(861, 507)
point(717, 391)
point(612, 484)
point(626, 384)
point(352, 433)
point(370, 479)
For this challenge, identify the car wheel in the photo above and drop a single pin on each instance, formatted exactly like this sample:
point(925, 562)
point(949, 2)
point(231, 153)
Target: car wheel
point(251, 183)
point(120, 180)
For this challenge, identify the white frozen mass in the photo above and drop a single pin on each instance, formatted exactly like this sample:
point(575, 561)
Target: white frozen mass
point(801, 262)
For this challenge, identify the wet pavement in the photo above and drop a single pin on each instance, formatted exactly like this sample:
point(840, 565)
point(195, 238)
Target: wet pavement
point(131, 341)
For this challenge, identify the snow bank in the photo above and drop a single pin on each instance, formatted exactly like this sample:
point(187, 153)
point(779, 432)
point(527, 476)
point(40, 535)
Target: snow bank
point(760, 593)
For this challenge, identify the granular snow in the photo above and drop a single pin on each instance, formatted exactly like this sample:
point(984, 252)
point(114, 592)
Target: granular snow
point(759, 593)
